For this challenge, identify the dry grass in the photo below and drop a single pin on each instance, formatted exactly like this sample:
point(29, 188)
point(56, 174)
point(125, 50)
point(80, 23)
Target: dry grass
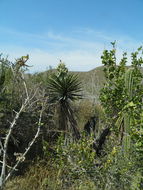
point(44, 177)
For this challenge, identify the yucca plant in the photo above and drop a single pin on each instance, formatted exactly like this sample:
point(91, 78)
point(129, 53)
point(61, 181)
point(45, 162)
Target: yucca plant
point(64, 88)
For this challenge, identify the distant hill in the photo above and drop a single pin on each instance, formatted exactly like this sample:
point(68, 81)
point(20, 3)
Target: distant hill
point(92, 82)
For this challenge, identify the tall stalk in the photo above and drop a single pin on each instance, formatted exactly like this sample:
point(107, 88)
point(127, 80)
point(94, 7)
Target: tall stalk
point(129, 86)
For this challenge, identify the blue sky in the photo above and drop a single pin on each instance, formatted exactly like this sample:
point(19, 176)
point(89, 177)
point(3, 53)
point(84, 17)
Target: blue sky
point(76, 31)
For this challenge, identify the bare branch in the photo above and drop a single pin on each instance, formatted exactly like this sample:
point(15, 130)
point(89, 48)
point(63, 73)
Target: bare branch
point(8, 166)
point(2, 177)
point(22, 157)
point(25, 86)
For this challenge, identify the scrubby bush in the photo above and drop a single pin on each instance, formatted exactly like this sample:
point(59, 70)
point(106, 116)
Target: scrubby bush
point(74, 164)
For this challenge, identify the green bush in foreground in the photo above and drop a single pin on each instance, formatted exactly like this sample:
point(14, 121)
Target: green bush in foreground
point(73, 164)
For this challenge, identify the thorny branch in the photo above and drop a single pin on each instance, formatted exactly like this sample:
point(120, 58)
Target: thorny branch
point(3, 176)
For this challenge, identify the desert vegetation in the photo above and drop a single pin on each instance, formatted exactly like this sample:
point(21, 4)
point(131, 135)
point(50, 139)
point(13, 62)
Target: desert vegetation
point(69, 130)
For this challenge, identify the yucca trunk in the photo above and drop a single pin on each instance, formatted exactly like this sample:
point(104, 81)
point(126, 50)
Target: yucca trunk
point(73, 123)
point(63, 125)
point(67, 122)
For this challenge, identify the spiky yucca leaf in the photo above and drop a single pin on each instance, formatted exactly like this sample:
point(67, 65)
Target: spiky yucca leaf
point(64, 88)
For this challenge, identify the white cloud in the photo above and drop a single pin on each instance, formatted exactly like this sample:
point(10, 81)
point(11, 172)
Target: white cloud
point(41, 60)
point(80, 50)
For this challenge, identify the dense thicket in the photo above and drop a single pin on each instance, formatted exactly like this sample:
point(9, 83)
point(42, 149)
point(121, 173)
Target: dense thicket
point(108, 155)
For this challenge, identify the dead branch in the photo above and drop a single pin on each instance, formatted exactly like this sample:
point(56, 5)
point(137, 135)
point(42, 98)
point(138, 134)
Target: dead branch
point(22, 157)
